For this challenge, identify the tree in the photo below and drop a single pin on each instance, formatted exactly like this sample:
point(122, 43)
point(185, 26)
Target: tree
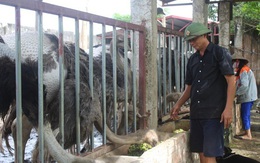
point(250, 13)
point(213, 11)
point(125, 18)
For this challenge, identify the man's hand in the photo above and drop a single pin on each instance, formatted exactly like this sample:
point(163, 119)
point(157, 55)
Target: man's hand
point(226, 117)
point(174, 112)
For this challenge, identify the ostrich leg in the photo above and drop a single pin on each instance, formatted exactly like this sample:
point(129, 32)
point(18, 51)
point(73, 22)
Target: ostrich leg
point(27, 127)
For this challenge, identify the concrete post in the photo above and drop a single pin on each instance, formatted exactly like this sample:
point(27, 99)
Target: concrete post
point(238, 44)
point(224, 38)
point(200, 11)
point(224, 24)
point(238, 41)
point(144, 12)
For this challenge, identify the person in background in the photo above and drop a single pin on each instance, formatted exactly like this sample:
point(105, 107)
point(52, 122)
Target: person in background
point(210, 85)
point(246, 92)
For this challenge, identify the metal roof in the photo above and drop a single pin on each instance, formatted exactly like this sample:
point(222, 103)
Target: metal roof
point(177, 23)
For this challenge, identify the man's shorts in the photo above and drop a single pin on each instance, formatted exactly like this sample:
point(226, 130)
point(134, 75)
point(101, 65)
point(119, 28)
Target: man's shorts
point(207, 136)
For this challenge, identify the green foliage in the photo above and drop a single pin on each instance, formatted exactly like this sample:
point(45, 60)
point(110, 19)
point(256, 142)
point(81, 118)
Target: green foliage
point(138, 149)
point(250, 12)
point(232, 27)
point(125, 18)
point(213, 11)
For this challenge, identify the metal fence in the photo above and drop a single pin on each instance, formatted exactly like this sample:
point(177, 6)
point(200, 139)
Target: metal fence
point(172, 58)
point(173, 54)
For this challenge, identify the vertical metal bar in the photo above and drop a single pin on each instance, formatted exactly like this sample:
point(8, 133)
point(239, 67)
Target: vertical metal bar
point(36, 19)
point(159, 70)
point(188, 53)
point(18, 85)
point(40, 86)
point(91, 57)
point(212, 29)
point(61, 75)
point(142, 79)
point(114, 79)
point(182, 63)
point(134, 78)
point(175, 62)
point(170, 66)
point(170, 62)
point(178, 65)
point(104, 81)
point(126, 73)
point(77, 76)
point(91, 72)
point(164, 73)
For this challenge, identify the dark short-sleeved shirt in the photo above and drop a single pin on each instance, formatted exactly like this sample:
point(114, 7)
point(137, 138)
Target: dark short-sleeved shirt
point(206, 75)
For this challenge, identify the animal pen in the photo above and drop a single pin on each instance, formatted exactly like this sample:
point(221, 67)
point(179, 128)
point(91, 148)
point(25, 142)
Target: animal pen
point(123, 105)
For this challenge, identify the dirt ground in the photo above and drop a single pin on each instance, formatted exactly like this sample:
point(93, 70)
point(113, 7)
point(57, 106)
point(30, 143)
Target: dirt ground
point(249, 148)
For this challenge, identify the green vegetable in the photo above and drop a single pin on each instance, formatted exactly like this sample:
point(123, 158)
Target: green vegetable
point(178, 131)
point(138, 149)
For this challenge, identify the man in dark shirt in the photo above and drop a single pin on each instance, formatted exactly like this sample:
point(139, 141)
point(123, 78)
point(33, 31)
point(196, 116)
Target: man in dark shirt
point(210, 84)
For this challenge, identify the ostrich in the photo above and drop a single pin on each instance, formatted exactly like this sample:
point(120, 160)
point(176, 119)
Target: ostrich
point(29, 76)
point(70, 50)
point(97, 71)
point(30, 99)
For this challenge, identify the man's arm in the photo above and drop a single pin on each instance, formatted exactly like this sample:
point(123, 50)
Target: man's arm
point(184, 97)
point(227, 114)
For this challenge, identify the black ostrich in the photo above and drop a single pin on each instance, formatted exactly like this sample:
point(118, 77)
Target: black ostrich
point(90, 111)
point(97, 72)
point(29, 77)
point(90, 106)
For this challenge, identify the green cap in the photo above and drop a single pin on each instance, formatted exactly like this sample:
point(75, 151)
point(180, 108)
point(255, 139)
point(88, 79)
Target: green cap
point(194, 30)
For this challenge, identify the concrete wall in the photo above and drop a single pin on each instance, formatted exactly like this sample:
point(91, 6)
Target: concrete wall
point(172, 150)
